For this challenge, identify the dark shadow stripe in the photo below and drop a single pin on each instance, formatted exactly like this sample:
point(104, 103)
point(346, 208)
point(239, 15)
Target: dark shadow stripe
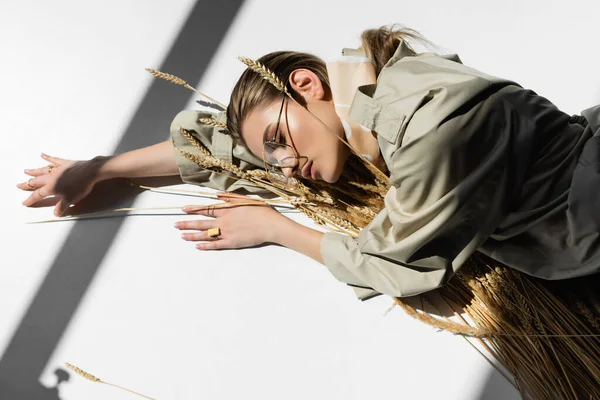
point(84, 249)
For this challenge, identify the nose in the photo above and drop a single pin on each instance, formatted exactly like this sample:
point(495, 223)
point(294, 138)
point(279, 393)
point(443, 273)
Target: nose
point(289, 172)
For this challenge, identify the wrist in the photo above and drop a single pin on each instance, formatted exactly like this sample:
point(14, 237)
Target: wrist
point(297, 237)
point(280, 227)
point(103, 168)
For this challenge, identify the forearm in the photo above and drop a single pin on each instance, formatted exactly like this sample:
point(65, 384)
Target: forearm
point(300, 238)
point(155, 160)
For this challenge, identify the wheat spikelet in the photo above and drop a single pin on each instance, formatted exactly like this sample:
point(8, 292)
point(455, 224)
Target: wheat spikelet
point(179, 81)
point(314, 216)
point(326, 213)
point(588, 314)
point(299, 201)
point(487, 307)
point(195, 142)
point(259, 174)
point(169, 78)
point(594, 299)
point(81, 372)
point(213, 122)
point(208, 161)
point(265, 73)
point(214, 164)
point(314, 196)
point(450, 326)
point(92, 378)
point(527, 315)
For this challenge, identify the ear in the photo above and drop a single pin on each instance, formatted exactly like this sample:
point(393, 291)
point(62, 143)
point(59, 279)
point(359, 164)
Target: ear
point(307, 84)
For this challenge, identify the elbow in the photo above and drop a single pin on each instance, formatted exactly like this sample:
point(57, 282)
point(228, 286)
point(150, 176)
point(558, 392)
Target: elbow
point(402, 280)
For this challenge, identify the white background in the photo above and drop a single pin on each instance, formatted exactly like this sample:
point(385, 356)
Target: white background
point(174, 323)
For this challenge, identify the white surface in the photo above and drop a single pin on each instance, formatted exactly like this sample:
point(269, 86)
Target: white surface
point(225, 325)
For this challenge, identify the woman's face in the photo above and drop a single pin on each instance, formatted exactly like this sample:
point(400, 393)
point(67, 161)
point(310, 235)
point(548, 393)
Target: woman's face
point(323, 154)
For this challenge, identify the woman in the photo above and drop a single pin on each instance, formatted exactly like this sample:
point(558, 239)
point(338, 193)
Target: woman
point(475, 163)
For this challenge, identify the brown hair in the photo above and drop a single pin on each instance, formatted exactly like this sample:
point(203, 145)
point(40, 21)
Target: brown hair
point(380, 44)
point(252, 91)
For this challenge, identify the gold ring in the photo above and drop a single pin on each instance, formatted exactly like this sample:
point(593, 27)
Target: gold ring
point(50, 168)
point(29, 183)
point(214, 232)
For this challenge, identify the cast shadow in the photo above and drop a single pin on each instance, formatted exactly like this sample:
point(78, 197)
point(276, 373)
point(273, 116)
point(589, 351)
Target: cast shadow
point(75, 263)
point(497, 387)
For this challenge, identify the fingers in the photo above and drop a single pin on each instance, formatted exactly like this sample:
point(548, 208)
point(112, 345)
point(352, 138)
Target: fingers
point(201, 226)
point(207, 211)
point(61, 208)
point(33, 183)
point(53, 160)
point(195, 225)
point(197, 236)
point(26, 185)
point(46, 202)
point(38, 171)
point(214, 245)
point(35, 197)
point(208, 242)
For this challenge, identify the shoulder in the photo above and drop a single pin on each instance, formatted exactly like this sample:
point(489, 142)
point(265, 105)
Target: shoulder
point(427, 71)
point(192, 119)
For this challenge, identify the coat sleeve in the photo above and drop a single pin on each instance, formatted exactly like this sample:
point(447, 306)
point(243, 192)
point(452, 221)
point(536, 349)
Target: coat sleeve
point(451, 185)
point(220, 144)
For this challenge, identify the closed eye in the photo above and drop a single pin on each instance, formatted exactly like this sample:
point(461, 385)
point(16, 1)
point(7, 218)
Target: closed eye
point(282, 138)
point(279, 137)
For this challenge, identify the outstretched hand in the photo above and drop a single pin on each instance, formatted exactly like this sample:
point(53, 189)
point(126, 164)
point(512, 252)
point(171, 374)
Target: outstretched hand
point(240, 226)
point(68, 180)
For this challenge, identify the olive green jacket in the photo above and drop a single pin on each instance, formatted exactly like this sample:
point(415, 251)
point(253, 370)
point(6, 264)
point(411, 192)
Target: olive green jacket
point(456, 147)
point(414, 244)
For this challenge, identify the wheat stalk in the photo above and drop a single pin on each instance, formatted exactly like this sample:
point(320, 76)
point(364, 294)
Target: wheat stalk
point(213, 122)
point(92, 378)
point(81, 372)
point(265, 73)
point(208, 161)
point(179, 81)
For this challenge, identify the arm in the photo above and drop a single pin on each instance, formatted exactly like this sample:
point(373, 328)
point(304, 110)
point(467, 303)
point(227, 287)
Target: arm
point(155, 160)
point(73, 180)
point(298, 237)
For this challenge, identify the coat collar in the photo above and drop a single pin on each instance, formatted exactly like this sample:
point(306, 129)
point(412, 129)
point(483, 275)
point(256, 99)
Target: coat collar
point(372, 114)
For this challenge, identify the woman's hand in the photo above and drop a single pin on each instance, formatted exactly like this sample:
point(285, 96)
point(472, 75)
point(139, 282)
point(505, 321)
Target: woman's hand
point(241, 226)
point(69, 180)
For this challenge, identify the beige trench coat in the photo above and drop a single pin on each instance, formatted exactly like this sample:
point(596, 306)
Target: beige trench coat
point(449, 136)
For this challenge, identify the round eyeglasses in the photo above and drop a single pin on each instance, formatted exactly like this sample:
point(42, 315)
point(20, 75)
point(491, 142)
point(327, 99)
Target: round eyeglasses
point(278, 155)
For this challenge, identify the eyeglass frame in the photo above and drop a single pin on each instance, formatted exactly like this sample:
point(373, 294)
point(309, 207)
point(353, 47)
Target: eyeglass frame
point(297, 156)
